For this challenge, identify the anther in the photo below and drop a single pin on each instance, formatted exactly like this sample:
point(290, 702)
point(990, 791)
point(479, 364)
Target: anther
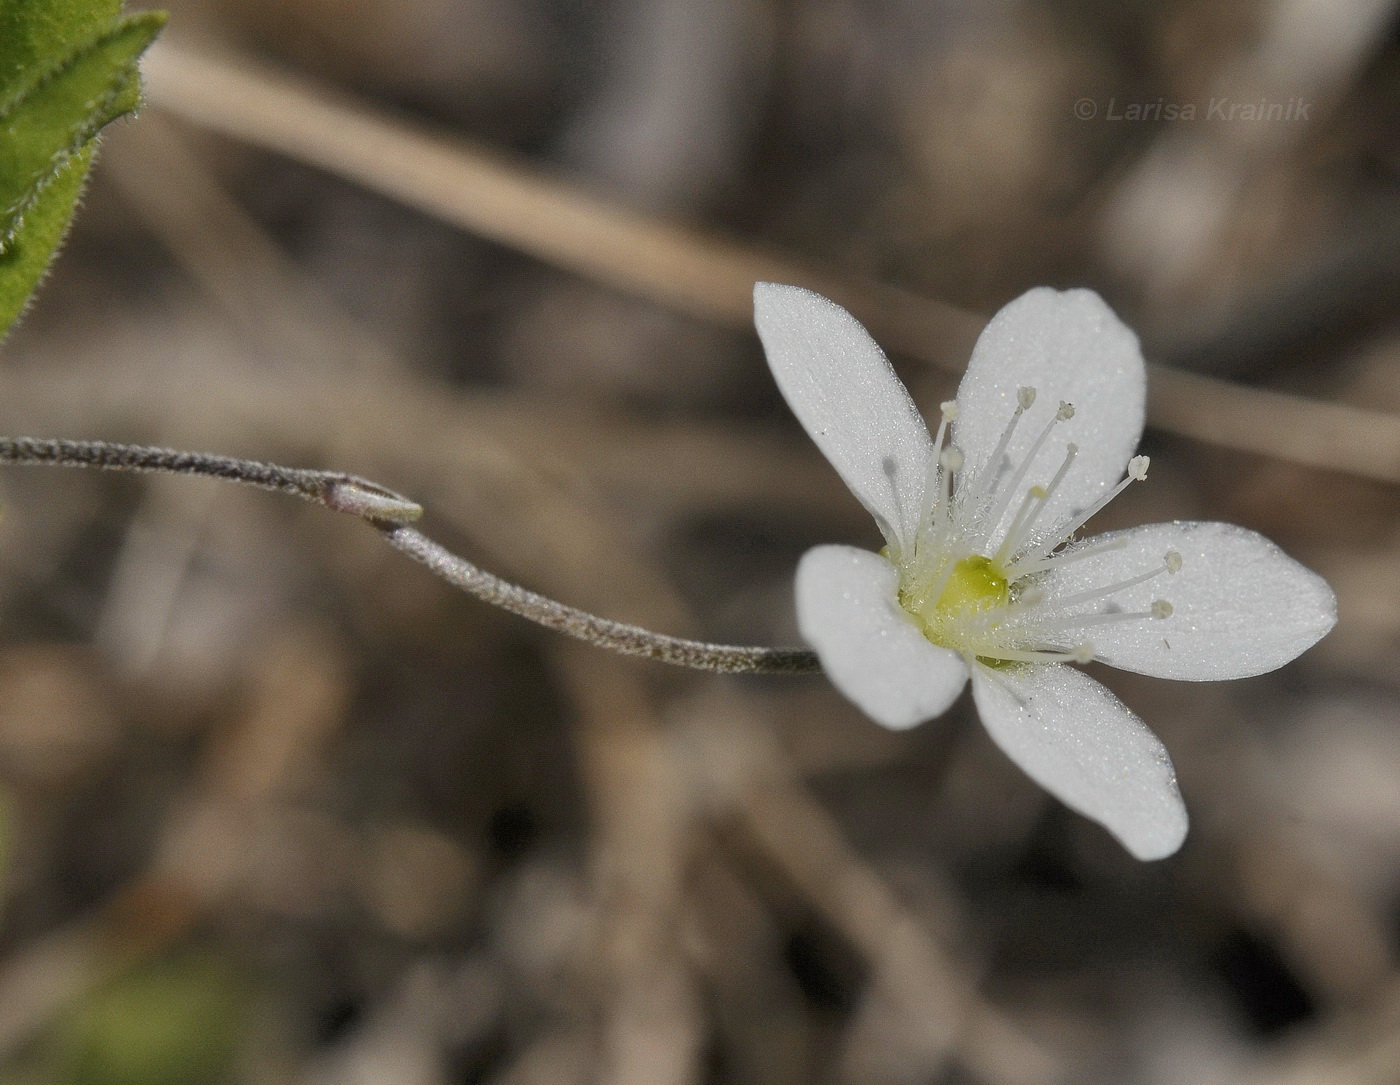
point(1084, 653)
point(951, 458)
point(1173, 561)
point(1025, 397)
point(949, 409)
point(1161, 609)
point(1137, 468)
point(1066, 411)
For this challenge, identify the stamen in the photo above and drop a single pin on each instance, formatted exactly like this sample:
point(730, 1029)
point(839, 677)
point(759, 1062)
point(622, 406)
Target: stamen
point(1137, 472)
point(1083, 653)
point(1068, 557)
point(940, 522)
point(1071, 450)
point(952, 462)
point(1024, 398)
point(1064, 414)
point(1079, 621)
point(951, 459)
point(891, 538)
point(1110, 589)
point(948, 411)
point(981, 622)
point(1022, 530)
point(1034, 498)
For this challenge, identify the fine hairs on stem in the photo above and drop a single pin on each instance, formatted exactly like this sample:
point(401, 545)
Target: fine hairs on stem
point(392, 514)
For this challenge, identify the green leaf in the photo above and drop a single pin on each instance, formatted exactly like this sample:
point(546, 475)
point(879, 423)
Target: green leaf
point(67, 68)
point(33, 32)
point(23, 263)
point(176, 1020)
point(62, 108)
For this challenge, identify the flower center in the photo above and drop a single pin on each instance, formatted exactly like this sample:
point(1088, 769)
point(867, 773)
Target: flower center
point(973, 586)
point(981, 578)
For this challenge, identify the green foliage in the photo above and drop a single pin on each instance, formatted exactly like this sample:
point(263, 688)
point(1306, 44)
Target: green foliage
point(67, 68)
point(176, 1021)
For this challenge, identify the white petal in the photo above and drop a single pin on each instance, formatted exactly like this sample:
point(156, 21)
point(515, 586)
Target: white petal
point(1240, 605)
point(846, 395)
point(1069, 347)
point(1078, 741)
point(848, 611)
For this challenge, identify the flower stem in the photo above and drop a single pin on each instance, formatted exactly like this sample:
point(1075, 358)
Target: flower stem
point(391, 513)
point(627, 639)
point(336, 491)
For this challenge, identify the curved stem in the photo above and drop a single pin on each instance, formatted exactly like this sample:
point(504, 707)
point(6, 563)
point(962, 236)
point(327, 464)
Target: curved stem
point(391, 513)
point(627, 639)
point(336, 491)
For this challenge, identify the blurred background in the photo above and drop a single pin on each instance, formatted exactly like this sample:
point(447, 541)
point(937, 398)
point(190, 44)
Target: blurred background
point(276, 806)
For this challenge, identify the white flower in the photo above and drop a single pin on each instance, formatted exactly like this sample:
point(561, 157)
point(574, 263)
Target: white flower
point(982, 573)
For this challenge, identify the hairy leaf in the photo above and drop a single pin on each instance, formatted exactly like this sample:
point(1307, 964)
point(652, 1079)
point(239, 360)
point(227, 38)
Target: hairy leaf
point(67, 68)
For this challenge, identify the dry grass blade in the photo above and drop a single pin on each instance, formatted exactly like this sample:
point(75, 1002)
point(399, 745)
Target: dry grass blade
point(483, 191)
point(697, 273)
point(1336, 436)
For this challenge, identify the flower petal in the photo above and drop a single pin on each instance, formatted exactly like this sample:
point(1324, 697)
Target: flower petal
point(847, 609)
point(1240, 606)
point(1069, 347)
point(846, 395)
point(1078, 741)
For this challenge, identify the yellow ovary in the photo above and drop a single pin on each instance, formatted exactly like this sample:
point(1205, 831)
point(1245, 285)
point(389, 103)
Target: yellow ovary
point(974, 586)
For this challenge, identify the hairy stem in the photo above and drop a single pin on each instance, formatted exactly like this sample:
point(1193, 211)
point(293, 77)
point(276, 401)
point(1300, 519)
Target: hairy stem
point(627, 639)
point(340, 492)
point(391, 513)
